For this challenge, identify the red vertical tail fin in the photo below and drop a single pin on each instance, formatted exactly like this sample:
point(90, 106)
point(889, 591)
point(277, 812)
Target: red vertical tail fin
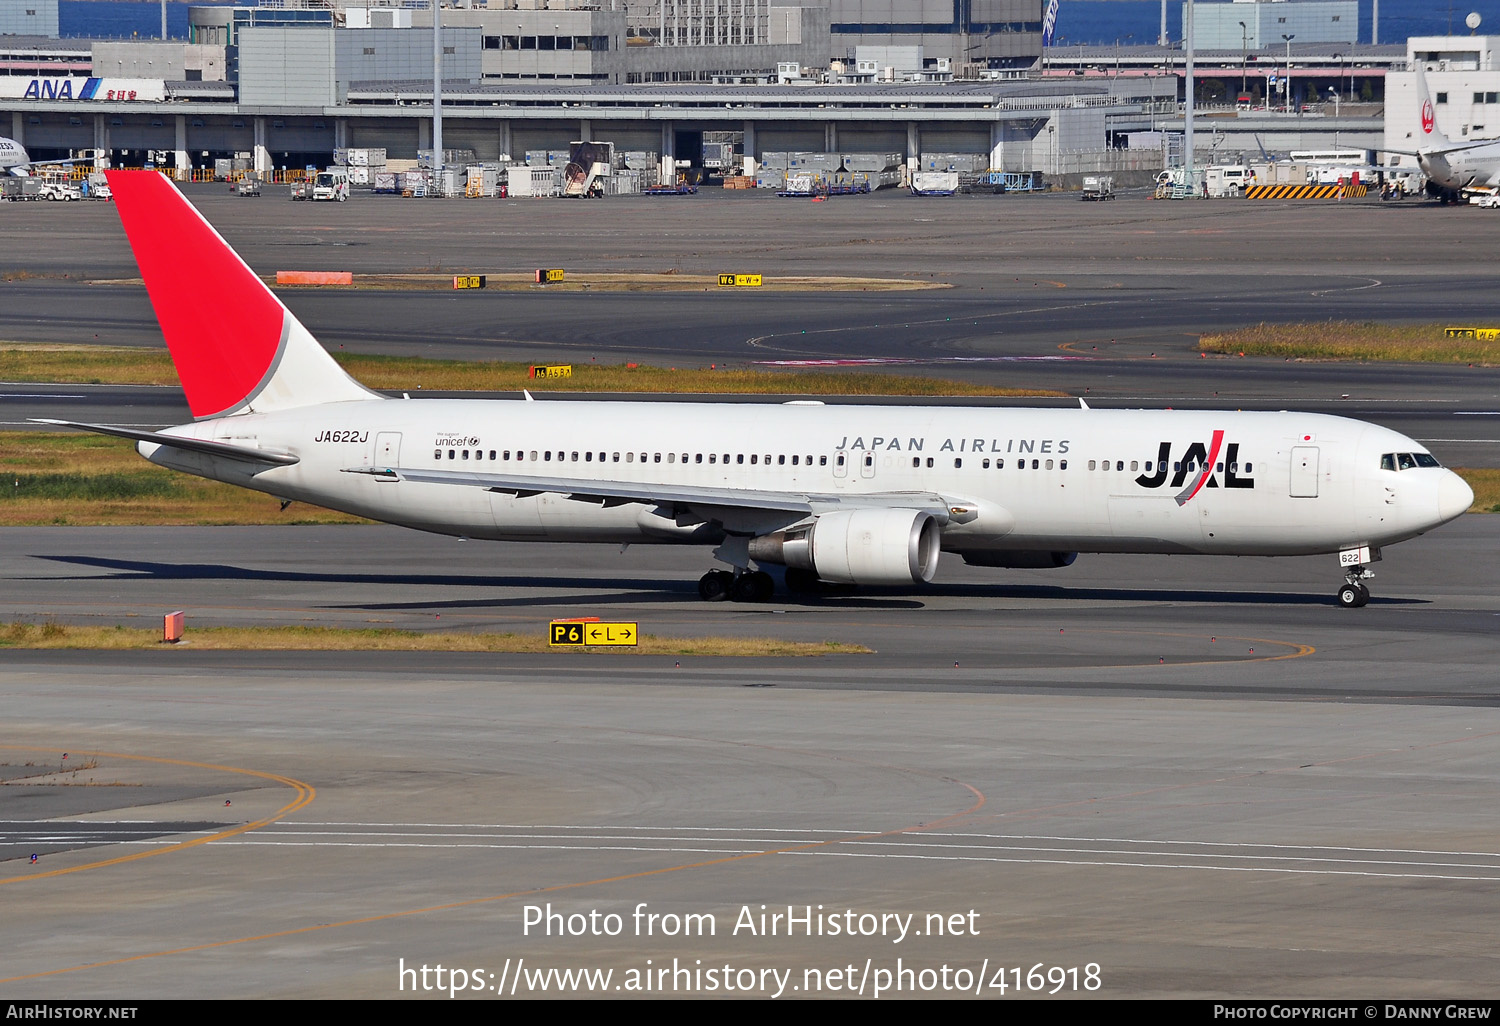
point(236, 348)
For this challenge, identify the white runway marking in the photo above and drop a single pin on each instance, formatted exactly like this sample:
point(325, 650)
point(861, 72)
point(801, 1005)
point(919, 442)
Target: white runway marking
point(865, 843)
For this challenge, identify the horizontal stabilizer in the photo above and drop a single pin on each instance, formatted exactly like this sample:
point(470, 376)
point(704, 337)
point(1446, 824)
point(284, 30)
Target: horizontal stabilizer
point(203, 445)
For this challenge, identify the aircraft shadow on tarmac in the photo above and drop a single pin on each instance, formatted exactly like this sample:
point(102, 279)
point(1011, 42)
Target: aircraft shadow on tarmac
point(624, 591)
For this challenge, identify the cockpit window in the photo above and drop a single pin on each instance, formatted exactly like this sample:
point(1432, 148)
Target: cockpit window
point(1407, 460)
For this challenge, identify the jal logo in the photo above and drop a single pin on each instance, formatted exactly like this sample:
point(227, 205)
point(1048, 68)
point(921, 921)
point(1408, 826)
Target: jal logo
point(1195, 470)
point(1427, 117)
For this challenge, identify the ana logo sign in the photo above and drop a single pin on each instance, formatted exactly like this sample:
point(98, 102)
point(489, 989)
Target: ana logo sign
point(1427, 117)
point(71, 89)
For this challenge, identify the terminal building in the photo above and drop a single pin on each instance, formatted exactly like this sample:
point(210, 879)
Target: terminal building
point(1252, 24)
point(28, 18)
point(288, 82)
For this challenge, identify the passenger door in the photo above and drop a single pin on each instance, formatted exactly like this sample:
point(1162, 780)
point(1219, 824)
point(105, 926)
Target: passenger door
point(1304, 477)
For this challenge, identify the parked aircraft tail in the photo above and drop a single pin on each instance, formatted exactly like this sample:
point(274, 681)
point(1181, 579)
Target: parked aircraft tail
point(1428, 135)
point(236, 348)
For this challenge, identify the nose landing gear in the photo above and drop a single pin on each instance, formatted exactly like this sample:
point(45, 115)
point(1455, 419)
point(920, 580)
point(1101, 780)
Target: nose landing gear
point(1354, 593)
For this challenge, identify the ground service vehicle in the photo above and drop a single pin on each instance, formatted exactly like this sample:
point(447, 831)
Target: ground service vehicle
point(332, 184)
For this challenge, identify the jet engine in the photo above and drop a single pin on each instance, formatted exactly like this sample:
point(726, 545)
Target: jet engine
point(858, 546)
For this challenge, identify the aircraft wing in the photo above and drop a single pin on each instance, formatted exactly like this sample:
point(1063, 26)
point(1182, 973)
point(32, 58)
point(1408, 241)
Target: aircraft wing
point(203, 445)
point(1438, 151)
point(731, 506)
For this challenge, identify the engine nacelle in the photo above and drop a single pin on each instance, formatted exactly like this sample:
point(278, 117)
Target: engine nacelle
point(1019, 560)
point(859, 546)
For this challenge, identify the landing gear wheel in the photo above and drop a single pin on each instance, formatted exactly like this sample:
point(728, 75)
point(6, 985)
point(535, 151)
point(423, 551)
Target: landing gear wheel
point(714, 586)
point(753, 586)
point(1353, 596)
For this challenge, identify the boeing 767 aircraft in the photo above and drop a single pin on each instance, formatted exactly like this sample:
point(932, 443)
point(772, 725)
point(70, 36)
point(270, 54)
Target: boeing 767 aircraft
point(839, 494)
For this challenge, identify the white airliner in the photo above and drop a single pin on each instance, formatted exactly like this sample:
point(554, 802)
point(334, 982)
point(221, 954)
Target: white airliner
point(836, 494)
point(14, 160)
point(13, 157)
point(1449, 166)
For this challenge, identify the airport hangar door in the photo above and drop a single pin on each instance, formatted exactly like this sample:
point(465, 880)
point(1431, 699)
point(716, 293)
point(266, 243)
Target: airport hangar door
point(54, 136)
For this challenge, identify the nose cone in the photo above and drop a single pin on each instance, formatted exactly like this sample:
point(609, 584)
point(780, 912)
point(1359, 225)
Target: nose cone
point(1454, 497)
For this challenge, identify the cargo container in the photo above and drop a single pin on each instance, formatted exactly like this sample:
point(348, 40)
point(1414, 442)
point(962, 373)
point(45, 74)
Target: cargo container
point(450, 157)
point(361, 157)
point(525, 180)
point(934, 183)
point(871, 162)
point(955, 162)
point(1098, 187)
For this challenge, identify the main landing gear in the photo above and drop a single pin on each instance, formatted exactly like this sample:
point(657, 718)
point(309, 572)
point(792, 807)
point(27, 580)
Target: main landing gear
point(1354, 593)
point(741, 586)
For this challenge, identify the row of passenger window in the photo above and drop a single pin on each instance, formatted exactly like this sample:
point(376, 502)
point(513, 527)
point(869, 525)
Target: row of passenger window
point(958, 462)
point(1387, 462)
point(1152, 466)
point(561, 456)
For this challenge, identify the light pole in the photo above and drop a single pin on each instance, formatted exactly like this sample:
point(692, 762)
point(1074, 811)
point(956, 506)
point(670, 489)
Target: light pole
point(1334, 92)
point(1244, 35)
point(1286, 83)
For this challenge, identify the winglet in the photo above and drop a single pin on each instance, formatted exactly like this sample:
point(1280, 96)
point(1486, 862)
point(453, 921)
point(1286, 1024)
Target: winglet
point(1083, 405)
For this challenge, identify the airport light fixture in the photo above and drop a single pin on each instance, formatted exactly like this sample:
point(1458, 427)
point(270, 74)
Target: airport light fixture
point(1244, 58)
point(1340, 58)
point(1286, 83)
point(437, 100)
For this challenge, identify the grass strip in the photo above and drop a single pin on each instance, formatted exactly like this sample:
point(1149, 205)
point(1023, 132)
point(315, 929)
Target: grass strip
point(51, 634)
point(74, 478)
point(120, 365)
point(1486, 485)
point(1364, 341)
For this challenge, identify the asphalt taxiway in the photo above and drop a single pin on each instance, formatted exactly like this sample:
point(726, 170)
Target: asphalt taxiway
point(1169, 776)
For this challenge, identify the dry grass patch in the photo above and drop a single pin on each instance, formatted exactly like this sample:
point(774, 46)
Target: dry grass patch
point(1486, 485)
point(1355, 340)
point(81, 479)
point(335, 639)
point(87, 365)
point(399, 372)
point(119, 365)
